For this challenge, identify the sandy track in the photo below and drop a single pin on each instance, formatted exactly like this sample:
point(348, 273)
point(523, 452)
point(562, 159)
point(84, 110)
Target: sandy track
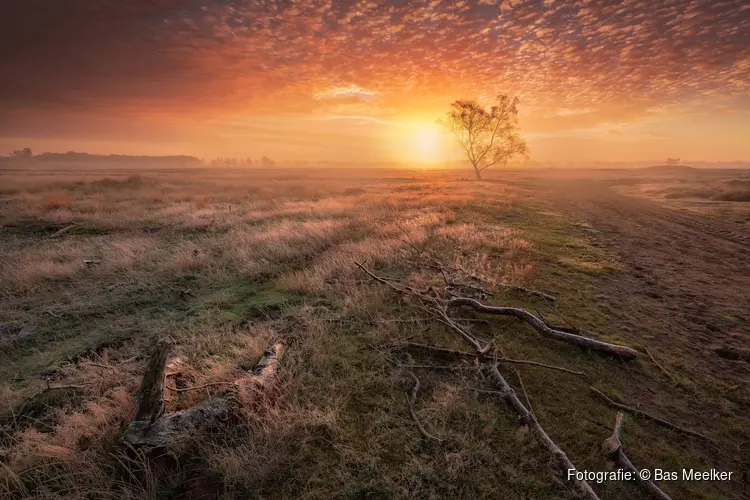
point(685, 276)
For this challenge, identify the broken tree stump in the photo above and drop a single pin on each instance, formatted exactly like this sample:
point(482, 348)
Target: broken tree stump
point(166, 429)
point(150, 398)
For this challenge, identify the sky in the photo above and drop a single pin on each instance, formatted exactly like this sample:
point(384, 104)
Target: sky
point(617, 80)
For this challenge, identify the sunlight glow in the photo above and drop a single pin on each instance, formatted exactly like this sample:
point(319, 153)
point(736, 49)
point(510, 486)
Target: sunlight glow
point(427, 143)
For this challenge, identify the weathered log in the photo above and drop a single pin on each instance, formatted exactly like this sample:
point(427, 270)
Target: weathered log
point(539, 325)
point(207, 415)
point(613, 449)
point(162, 432)
point(582, 488)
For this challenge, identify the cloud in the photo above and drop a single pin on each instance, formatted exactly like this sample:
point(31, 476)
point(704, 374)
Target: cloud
point(148, 61)
point(350, 92)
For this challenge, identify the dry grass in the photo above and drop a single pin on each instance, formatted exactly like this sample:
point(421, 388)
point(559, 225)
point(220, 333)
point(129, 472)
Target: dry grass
point(722, 194)
point(223, 264)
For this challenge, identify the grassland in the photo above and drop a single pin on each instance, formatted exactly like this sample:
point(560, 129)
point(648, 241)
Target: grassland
point(223, 263)
point(722, 194)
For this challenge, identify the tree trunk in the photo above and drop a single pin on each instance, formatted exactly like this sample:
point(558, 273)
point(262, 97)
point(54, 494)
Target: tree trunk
point(477, 171)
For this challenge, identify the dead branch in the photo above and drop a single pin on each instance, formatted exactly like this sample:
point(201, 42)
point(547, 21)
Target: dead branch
point(187, 389)
point(541, 327)
point(523, 388)
point(446, 320)
point(664, 370)
point(434, 367)
point(62, 231)
point(573, 328)
point(527, 418)
point(100, 365)
point(53, 314)
point(440, 305)
point(660, 421)
point(411, 402)
point(166, 430)
point(529, 291)
point(452, 352)
point(613, 449)
point(61, 387)
point(439, 308)
point(460, 284)
point(427, 347)
point(541, 365)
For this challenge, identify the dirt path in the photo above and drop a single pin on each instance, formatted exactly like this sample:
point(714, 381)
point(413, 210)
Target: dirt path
point(685, 276)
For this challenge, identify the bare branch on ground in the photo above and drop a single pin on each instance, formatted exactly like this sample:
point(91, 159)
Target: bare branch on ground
point(509, 395)
point(660, 421)
point(411, 402)
point(612, 447)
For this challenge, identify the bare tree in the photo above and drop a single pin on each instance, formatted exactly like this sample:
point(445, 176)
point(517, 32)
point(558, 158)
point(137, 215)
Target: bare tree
point(488, 136)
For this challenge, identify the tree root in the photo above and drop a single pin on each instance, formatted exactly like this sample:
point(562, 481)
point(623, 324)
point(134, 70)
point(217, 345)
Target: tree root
point(660, 421)
point(613, 449)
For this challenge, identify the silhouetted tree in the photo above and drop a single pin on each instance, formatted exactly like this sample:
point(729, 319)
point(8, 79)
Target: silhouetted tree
point(22, 154)
point(488, 136)
point(673, 161)
point(266, 162)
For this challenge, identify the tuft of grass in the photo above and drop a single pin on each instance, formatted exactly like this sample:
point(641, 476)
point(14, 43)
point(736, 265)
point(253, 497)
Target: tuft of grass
point(56, 200)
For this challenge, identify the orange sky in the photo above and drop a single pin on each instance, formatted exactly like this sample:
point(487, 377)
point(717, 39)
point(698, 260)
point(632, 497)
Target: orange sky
point(324, 79)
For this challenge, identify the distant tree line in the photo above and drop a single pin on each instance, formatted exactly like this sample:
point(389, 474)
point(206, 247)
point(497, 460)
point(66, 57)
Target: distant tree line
point(264, 162)
point(26, 155)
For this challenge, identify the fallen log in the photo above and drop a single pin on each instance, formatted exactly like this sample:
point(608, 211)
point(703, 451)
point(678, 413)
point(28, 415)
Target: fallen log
point(613, 449)
point(161, 432)
point(539, 325)
point(582, 488)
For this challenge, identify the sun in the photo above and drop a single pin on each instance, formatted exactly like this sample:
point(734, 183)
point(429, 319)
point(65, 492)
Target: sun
point(427, 142)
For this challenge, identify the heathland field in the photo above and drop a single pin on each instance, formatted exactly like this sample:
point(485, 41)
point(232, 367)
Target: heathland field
point(97, 267)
